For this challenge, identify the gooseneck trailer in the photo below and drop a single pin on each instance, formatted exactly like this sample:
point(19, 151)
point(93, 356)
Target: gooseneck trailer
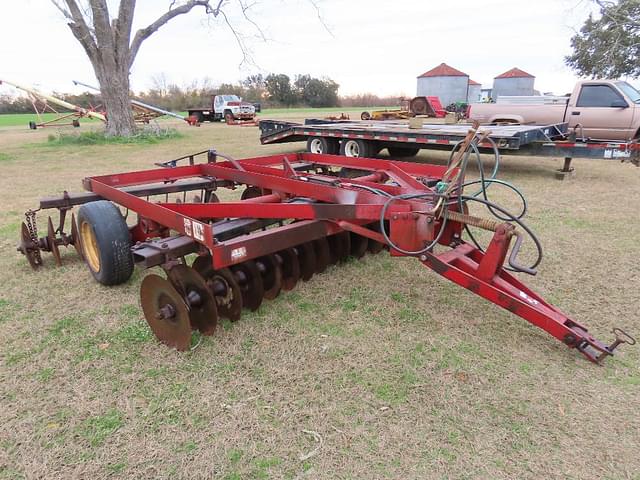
point(367, 139)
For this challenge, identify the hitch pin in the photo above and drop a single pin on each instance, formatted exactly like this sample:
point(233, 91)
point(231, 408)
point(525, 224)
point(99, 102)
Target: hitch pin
point(621, 337)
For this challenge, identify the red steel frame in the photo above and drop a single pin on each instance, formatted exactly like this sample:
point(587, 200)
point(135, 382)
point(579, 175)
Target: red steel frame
point(345, 204)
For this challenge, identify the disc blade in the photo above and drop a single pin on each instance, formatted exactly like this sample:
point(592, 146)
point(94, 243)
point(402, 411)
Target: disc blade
point(251, 192)
point(203, 264)
point(271, 275)
point(307, 260)
point(373, 246)
point(250, 281)
point(358, 245)
point(290, 268)
point(51, 242)
point(229, 300)
point(322, 254)
point(203, 314)
point(75, 236)
point(31, 251)
point(165, 312)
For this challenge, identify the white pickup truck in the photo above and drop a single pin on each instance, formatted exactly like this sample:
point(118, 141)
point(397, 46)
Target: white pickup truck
point(223, 107)
point(597, 110)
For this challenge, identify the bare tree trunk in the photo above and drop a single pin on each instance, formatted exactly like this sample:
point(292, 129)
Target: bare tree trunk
point(114, 86)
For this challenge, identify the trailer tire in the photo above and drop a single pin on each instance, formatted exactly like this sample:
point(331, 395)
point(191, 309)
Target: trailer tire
point(32, 125)
point(355, 148)
point(401, 152)
point(325, 146)
point(365, 116)
point(106, 242)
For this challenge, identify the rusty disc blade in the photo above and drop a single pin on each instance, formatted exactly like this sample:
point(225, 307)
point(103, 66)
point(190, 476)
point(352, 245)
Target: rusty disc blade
point(345, 238)
point(359, 245)
point(76, 239)
point(250, 281)
point(251, 192)
point(306, 259)
point(373, 246)
point(203, 264)
point(225, 289)
point(322, 254)
point(271, 275)
point(203, 314)
point(29, 249)
point(165, 312)
point(290, 268)
point(51, 242)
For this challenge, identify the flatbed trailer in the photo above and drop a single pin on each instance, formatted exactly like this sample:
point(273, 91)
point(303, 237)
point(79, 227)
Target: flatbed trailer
point(367, 139)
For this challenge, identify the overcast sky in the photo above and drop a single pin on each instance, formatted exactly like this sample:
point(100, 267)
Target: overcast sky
point(368, 46)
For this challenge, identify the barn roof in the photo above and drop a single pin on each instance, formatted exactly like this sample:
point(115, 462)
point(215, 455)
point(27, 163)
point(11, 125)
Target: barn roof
point(473, 82)
point(515, 73)
point(443, 70)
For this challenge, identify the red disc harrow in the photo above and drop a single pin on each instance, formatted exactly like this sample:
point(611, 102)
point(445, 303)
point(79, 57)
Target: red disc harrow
point(298, 214)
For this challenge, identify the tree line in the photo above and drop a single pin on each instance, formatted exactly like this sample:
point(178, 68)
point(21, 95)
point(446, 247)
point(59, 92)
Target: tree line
point(272, 91)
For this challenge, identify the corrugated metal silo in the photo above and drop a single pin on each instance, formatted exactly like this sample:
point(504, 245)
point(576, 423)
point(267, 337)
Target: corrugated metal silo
point(475, 93)
point(444, 82)
point(513, 82)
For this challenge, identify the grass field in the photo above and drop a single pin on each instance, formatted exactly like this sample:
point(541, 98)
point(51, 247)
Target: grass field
point(23, 119)
point(398, 372)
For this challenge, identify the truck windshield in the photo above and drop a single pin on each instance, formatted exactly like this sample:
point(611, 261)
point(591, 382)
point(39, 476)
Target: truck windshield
point(629, 91)
point(230, 98)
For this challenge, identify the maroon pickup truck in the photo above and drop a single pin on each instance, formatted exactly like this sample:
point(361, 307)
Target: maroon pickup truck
point(597, 110)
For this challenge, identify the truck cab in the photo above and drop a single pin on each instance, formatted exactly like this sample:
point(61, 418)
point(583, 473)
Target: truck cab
point(604, 110)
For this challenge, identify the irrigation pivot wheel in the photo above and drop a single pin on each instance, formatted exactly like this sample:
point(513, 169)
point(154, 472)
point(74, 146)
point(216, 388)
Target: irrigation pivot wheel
point(203, 314)
point(251, 284)
point(165, 312)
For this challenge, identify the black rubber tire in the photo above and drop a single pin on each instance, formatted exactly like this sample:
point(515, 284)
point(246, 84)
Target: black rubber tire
point(355, 148)
point(32, 125)
point(325, 146)
point(113, 241)
point(365, 116)
point(400, 152)
point(228, 117)
point(75, 123)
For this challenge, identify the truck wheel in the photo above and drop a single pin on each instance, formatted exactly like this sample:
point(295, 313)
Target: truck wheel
point(400, 152)
point(327, 146)
point(228, 117)
point(355, 148)
point(106, 243)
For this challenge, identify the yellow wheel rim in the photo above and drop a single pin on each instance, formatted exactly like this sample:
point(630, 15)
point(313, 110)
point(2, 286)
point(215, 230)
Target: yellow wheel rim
point(90, 246)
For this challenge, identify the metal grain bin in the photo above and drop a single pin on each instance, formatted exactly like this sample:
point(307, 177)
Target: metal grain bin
point(446, 83)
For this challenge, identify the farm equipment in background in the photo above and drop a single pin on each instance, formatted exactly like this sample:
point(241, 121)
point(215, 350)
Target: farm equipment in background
point(417, 106)
point(230, 108)
point(143, 112)
point(43, 103)
point(298, 214)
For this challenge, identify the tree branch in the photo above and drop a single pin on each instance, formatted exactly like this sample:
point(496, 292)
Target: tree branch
point(79, 27)
point(144, 33)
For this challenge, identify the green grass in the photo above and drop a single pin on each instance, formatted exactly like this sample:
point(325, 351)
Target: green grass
point(14, 119)
point(145, 137)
